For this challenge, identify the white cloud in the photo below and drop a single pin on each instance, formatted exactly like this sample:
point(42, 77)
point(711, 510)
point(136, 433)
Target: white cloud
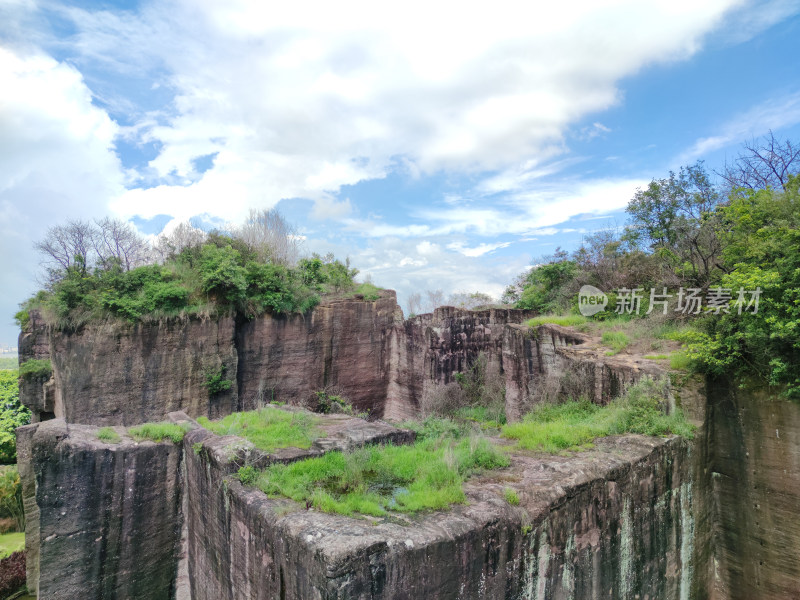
point(56, 162)
point(773, 114)
point(301, 100)
point(478, 250)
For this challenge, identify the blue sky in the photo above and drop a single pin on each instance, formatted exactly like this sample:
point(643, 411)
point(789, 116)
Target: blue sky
point(438, 145)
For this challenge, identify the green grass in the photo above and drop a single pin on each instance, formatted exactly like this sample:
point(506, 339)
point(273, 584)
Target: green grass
point(563, 320)
point(657, 356)
point(107, 434)
point(268, 428)
point(574, 425)
point(511, 496)
point(369, 291)
point(11, 542)
point(680, 361)
point(374, 480)
point(34, 368)
point(616, 340)
point(159, 431)
point(485, 417)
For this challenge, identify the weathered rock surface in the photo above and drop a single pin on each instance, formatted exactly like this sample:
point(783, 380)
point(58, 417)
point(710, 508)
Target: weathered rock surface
point(119, 373)
point(755, 468)
point(103, 520)
point(610, 523)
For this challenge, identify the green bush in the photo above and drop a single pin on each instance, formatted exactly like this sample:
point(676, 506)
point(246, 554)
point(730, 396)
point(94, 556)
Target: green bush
point(35, 368)
point(511, 497)
point(12, 415)
point(216, 383)
point(11, 497)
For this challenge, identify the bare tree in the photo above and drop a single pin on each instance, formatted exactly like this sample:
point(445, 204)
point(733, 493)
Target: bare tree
point(433, 300)
point(470, 301)
point(173, 243)
point(767, 162)
point(271, 236)
point(414, 303)
point(115, 239)
point(67, 246)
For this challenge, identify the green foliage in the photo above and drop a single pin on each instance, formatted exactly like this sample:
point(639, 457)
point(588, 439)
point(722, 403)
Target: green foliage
point(216, 383)
point(575, 424)
point(680, 361)
point(12, 415)
point(248, 475)
point(616, 340)
point(158, 432)
point(22, 318)
point(35, 368)
point(544, 288)
point(11, 497)
point(373, 480)
point(108, 435)
point(334, 403)
point(511, 496)
point(222, 273)
point(368, 291)
point(8, 363)
point(11, 543)
point(563, 320)
point(268, 428)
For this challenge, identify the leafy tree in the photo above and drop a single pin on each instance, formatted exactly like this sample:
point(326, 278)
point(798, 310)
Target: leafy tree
point(12, 415)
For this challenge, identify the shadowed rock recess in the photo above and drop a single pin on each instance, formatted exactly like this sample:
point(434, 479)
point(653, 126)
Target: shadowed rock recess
point(634, 517)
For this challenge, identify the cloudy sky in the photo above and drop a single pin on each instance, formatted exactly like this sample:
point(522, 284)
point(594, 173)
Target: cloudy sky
point(437, 144)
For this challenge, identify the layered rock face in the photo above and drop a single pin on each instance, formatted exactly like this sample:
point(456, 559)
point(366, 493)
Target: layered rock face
point(103, 520)
point(125, 374)
point(755, 467)
point(615, 522)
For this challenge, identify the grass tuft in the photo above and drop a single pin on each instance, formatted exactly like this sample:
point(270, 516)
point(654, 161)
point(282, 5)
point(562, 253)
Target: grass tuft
point(511, 496)
point(563, 320)
point(427, 475)
point(108, 435)
point(574, 425)
point(35, 368)
point(159, 431)
point(268, 428)
point(680, 361)
point(616, 340)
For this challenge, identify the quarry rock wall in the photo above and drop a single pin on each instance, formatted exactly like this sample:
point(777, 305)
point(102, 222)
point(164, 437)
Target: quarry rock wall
point(103, 520)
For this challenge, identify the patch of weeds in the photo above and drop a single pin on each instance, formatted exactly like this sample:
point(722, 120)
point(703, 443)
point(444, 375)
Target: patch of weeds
point(108, 435)
point(574, 425)
point(563, 320)
point(511, 497)
point(334, 403)
point(657, 356)
point(248, 475)
point(427, 475)
point(216, 383)
point(268, 428)
point(617, 340)
point(35, 368)
point(484, 416)
point(369, 291)
point(434, 428)
point(159, 431)
point(680, 361)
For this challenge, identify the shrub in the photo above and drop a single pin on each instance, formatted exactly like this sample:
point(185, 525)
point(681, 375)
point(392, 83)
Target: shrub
point(11, 497)
point(12, 574)
point(35, 368)
point(216, 383)
point(159, 431)
point(511, 497)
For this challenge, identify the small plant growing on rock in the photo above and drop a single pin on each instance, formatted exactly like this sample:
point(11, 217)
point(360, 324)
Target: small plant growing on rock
point(511, 496)
point(248, 475)
point(108, 435)
point(216, 381)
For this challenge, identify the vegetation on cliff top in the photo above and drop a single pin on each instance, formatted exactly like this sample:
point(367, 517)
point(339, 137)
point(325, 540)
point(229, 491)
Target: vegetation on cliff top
point(268, 428)
point(158, 432)
point(427, 475)
point(576, 424)
point(101, 270)
point(688, 233)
